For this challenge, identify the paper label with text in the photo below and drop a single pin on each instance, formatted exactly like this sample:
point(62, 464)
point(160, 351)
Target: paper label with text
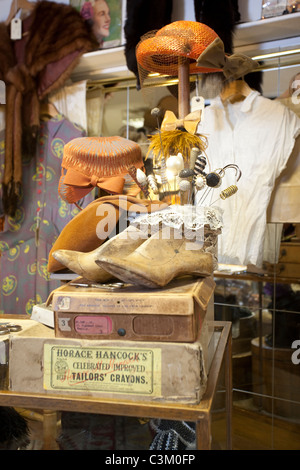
point(103, 369)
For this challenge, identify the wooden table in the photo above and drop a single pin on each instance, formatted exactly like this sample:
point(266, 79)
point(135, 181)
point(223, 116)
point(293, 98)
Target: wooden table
point(200, 413)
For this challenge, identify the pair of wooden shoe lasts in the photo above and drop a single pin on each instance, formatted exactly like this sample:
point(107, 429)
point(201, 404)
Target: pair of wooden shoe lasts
point(152, 262)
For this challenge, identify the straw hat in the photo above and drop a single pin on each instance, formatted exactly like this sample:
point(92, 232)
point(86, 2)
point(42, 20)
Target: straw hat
point(159, 51)
point(96, 161)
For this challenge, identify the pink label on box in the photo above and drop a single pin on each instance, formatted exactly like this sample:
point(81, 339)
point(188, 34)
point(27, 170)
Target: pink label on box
point(93, 325)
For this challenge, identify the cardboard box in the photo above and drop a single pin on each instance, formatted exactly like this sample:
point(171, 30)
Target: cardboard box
point(174, 313)
point(139, 371)
point(8, 322)
point(43, 313)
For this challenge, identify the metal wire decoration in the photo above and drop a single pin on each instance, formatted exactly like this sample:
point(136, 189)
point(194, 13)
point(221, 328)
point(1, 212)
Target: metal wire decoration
point(227, 192)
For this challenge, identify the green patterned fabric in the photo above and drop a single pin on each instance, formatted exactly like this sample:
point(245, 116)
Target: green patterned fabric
point(28, 237)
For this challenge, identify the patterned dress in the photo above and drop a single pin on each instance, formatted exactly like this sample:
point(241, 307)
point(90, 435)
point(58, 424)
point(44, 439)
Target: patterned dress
point(27, 238)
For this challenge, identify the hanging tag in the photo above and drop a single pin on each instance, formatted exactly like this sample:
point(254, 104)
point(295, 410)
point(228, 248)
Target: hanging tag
point(16, 29)
point(2, 92)
point(197, 103)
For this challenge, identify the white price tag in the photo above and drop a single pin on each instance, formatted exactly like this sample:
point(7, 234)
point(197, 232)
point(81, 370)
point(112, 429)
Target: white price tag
point(197, 102)
point(2, 92)
point(16, 29)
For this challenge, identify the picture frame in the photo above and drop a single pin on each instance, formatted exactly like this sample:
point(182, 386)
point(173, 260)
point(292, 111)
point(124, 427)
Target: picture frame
point(106, 18)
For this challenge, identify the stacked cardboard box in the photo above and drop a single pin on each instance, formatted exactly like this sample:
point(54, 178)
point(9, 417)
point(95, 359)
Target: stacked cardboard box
point(120, 342)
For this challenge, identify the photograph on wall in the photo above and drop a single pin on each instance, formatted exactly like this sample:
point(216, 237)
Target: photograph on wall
point(105, 18)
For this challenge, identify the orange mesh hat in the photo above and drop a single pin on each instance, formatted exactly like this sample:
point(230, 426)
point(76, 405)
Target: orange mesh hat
point(160, 51)
point(96, 161)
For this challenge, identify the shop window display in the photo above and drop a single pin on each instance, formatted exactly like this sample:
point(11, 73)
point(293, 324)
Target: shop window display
point(261, 299)
point(262, 304)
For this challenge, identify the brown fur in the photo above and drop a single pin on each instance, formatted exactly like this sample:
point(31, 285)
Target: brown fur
point(56, 32)
point(56, 37)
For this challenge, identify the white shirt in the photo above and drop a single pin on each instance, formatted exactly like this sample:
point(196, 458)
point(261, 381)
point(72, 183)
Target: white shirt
point(258, 135)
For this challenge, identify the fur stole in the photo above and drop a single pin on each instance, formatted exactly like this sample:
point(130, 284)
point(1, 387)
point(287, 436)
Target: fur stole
point(54, 38)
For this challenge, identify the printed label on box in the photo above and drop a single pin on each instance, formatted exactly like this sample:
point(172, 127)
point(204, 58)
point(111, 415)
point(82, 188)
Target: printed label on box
point(103, 369)
point(93, 325)
point(64, 303)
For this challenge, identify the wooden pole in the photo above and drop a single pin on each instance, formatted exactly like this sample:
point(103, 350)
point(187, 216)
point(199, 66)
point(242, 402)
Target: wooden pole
point(183, 87)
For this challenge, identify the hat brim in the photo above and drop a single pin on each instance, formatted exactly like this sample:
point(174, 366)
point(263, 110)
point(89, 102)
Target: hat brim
point(182, 39)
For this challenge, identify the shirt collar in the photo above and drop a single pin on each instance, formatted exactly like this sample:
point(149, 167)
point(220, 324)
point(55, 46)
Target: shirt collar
point(246, 104)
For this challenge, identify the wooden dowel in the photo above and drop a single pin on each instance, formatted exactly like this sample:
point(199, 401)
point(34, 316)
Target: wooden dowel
point(183, 87)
